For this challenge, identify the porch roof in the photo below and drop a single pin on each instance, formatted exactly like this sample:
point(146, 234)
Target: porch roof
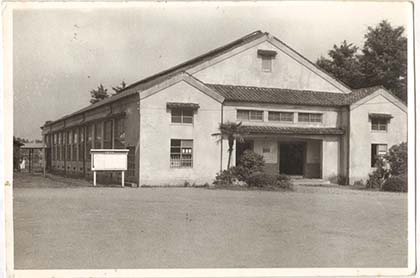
point(239, 93)
point(292, 130)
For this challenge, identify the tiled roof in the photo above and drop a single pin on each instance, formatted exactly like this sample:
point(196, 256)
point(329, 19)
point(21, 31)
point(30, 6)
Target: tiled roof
point(289, 96)
point(292, 130)
point(166, 74)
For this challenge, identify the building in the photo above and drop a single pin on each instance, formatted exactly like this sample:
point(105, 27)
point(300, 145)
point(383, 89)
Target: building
point(302, 120)
point(33, 155)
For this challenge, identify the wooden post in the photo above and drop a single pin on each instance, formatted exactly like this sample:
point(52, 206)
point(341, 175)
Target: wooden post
point(94, 178)
point(122, 178)
point(45, 160)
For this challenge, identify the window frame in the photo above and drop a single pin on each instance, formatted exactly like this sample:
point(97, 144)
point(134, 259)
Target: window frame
point(249, 113)
point(374, 157)
point(267, 60)
point(310, 117)
point(184, 144)
point(280, 113)
point(119, 133)
point(378, 125)
point(182, 116)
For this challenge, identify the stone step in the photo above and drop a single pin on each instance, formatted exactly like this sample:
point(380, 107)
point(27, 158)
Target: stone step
point(303, 181)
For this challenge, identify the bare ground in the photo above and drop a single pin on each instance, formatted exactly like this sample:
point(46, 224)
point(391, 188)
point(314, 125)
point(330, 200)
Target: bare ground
point(61, 226)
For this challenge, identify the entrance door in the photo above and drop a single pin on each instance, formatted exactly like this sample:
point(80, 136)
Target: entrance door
point(292, 158)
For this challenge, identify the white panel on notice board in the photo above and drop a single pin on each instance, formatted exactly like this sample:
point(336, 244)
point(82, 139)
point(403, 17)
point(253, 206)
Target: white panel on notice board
point(109, 159)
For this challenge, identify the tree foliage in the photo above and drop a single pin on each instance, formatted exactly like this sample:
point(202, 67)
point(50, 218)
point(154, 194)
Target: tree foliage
point(381, 61)
point(232, 132)
point(397, 157)
point(119, 88)
point(344, 64)
point(98, 94)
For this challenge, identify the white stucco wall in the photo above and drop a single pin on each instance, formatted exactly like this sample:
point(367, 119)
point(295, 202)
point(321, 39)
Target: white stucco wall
point(361, 135)
point(245, 69)
point(156, 131)
point(330, 157)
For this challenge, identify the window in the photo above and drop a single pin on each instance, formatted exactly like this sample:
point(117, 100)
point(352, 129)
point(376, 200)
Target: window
point(182, 116)
point(89, 140)
point(379, 124)
point(267, 57)
point(54, 148)
point(266, 63)
point(60, 146)
point(75, 144)
point(310, 117)
point(119, 133)
point(249, 115)
point(377, 151)
point(97, 144)
point(108, 135)
point(280, 116)
point(81, 143)
point(181, 153)
point(69, 144)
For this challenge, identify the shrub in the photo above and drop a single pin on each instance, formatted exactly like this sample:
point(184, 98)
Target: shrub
point(226, 177)
point(249, 163)
point(260, 179)
point(395, 184)
point(397, 157)
point(283, 181)
point(377, 177)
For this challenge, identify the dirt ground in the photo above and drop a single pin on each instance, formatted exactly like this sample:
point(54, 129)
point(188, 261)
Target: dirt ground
point(57, 225)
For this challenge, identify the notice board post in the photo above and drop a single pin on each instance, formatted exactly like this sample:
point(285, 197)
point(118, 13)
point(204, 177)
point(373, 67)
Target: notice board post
point(109, 160)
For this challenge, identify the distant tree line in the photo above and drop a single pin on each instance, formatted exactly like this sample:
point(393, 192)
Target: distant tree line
point(381, 61)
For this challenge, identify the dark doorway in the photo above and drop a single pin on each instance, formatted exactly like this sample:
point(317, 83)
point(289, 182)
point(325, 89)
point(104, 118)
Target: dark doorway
point(242, 147)
point(292, 158)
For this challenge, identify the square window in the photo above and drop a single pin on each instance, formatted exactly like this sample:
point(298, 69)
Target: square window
point(242, 115)
point(182, 116)
point(256, 115)
point(379, 124)
point(181, 153)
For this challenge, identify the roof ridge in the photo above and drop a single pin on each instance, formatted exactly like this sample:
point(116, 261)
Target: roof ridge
point(195, 59)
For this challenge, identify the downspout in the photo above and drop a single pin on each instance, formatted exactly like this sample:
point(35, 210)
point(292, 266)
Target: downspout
point(139, 140)
point(348, 145)
point(221, 139)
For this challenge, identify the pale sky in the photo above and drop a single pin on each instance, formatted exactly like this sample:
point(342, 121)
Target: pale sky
point(61, 54)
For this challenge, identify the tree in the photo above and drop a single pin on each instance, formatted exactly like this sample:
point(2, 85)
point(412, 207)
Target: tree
point(119, 88)
point(232, 132)
point(384, 59)
point(397, 157)
point(344, 64)
point(381, 61)
point(98, 94)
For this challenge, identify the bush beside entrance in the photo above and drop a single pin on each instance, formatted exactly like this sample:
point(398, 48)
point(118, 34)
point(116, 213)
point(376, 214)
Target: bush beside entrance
point(250, 173)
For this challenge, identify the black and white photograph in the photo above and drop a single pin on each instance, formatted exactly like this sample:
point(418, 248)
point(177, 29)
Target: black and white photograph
point(212, 139)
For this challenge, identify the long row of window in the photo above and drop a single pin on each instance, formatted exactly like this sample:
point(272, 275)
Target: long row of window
point(273, 116)
point(75, 144)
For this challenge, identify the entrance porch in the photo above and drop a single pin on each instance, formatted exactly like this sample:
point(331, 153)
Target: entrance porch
point(295, 157)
